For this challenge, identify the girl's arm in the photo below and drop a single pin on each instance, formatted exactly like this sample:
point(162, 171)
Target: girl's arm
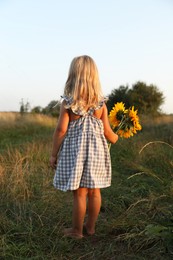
point(59, 134)
point(109, 134)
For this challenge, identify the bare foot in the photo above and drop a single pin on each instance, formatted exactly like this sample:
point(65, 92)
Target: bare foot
point(88, 232)
point(69, 232)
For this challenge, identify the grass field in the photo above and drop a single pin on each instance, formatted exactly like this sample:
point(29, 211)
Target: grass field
point(136, 218)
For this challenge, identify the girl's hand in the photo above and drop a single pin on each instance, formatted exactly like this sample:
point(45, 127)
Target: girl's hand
point(52, 162)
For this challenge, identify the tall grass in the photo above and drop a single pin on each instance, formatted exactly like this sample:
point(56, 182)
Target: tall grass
point(136, 218)
point(14, 119)
point(17, 129)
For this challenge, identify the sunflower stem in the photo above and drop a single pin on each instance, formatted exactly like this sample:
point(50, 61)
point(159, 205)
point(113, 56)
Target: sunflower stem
point(109, 146)
point(120, 124)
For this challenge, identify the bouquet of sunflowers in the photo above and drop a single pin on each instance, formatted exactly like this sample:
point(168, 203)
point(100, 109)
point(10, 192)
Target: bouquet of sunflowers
point(125, 122)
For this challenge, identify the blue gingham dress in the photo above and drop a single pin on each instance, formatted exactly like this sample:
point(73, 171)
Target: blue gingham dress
point(84, 158)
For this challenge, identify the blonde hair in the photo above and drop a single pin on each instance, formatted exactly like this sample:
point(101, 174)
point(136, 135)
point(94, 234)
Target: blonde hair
point(83, 84)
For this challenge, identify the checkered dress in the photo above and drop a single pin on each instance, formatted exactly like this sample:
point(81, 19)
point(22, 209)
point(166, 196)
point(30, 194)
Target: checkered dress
point(84, 159)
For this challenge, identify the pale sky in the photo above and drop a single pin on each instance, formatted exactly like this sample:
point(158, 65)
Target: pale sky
point(130, 40)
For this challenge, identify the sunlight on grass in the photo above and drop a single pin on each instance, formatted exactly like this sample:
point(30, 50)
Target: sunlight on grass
point(12, 119)
point(136, 218)
point(159, 120)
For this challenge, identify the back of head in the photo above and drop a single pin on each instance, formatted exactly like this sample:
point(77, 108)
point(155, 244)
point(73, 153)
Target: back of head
point(83, 84)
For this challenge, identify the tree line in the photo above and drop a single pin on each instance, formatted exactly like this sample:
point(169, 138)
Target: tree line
point(147, 99)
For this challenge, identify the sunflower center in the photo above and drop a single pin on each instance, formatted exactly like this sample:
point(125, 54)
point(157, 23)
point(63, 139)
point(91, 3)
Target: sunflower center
point(120, 115)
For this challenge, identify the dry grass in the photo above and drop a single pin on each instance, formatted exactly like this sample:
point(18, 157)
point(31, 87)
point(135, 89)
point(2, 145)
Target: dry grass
point(159, 120)
point(13, 119)
point(8, 118)
point(136, 217)
point(17, 169)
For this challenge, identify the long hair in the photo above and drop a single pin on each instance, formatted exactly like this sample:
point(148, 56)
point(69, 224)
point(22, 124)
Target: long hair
point(83, 84)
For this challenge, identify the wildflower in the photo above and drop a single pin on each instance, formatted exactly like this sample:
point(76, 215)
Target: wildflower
point(125, 122)
point(117, 114)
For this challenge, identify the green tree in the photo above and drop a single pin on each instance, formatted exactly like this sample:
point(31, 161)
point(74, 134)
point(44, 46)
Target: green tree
point(146, 98)
point(119, 95)
point(53, 108)
point(24, 107)
point(36, 110)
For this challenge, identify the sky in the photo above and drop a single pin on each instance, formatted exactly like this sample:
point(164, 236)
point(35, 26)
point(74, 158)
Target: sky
point(130, 41)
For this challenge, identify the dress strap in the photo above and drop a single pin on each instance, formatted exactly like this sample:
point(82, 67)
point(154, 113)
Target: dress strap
point(79, 111)
point(68, 100)
point(76, 110)
point(101, 103)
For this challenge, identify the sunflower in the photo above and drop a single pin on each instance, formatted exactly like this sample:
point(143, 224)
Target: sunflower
point(125, 122)
point(117, 114)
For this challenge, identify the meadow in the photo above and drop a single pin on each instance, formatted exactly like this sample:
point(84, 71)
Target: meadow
point(136, 218)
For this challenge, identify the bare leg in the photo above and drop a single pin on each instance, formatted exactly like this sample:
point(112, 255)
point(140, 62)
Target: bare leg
point(79, 210)
point(94, 204)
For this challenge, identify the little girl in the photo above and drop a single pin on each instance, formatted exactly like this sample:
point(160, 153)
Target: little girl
point(80, 152)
